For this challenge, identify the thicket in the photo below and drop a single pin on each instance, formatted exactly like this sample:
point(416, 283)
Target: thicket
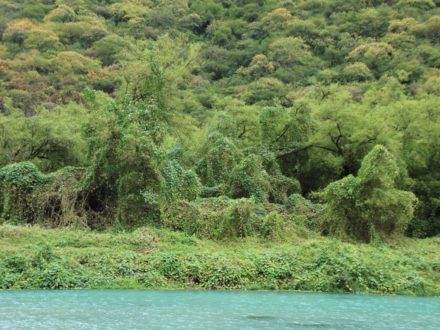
point(36, 258)
point(369, 205)
point(222, 119)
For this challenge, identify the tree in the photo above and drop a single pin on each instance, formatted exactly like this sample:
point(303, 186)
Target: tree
point(429, 29)
point(266, 91)
point(52, 139)
point(214, 169)
point(108, 48)
point(376, 55)
point(122, 182)
point(368, 22)
point(43, 40)
point(369, 206)
point(17, 31)
point(287, 52)
point(61, 14)
point(249, 180)
point(357, 72)
point(277, 20)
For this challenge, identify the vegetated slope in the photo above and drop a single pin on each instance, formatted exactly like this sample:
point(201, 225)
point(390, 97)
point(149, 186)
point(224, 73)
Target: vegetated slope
point(222, 119)
point(35, 258)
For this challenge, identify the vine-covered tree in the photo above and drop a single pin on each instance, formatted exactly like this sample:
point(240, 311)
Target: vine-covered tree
point(369, 206)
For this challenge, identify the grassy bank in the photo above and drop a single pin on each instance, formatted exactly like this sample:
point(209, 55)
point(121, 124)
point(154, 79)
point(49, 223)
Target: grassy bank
point(33, 257)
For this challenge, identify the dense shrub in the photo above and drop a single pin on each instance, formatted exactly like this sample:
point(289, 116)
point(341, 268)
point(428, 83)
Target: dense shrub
point(61, 14)
point(183, 216)
point(17, 183)
point(305, 212)
point(221, 217)
point(242, 218)
point(248, 180)
point(60, 202)
point(267, 99)
point(369, 205)
point(376, 55)
point(357, 71)
point(274, 226)
point(43, 270)
point(178, 183)
point(157, 258)
point(214, 169)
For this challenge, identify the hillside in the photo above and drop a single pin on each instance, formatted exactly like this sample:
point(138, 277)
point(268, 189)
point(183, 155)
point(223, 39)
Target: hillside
point(222, 119)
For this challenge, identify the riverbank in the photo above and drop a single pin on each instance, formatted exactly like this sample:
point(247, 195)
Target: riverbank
point(38, 258)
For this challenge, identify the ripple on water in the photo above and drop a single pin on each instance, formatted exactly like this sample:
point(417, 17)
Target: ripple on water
point(113, 309)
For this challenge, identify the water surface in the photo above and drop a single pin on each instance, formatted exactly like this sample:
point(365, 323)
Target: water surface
point(213, 310)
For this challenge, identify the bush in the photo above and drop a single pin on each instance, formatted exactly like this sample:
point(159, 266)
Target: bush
point(265, 90)
point(215, 168)
point(178, 183)
point(429, 29)
point(108, 48)
point(221, 217)
point(369, 205)
point(357, 72)
point(61, 14)
point(43, 40)
point(17, 31)
point(304, 212)
point(17, 182)
point(84, 32)
point(212, 215)
point(248, 179)
point(420, 4)
point(376, 55)
point(273, 226)
point(220, 273)
point(42, 270)
point(282, 186)
point(31, 197)
point(182, 216)
point(60, 202)
point(124, 175)
point(241, 219)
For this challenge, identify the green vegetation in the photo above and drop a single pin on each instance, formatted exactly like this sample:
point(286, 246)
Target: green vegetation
point(368, 205)
point(32, 257)
point(226, 121)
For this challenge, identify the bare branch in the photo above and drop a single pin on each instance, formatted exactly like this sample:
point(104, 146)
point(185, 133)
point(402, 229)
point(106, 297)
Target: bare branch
point(306, 147)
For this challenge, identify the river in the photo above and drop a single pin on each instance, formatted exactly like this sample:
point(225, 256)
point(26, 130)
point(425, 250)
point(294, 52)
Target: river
point(117, 309)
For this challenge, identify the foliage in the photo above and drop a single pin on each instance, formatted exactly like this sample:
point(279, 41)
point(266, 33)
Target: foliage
point(124, 165)
point(376, 55)
point(214, 169)
point(249, 180)
point(179, 184)
point(52, 139)
point(36, 258)
point(213, 218)
point(274, 227)
point(17, 183)
point(369, 205)
point(357, 72)
point(264, 99)
point(182, 216)
point(61, 14)
point(241, 219)
point(305, 213)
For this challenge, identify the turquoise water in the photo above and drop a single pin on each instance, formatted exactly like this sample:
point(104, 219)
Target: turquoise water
point(212, 310)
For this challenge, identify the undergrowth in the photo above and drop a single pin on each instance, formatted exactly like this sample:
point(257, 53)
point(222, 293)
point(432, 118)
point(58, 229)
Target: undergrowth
point(150, 258)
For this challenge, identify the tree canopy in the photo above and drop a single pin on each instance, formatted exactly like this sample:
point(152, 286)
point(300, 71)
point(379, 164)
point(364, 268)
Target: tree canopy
point(147, 107)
